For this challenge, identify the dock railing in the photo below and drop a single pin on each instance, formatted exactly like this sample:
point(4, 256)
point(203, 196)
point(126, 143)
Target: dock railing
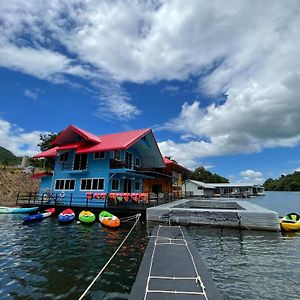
point(133, 201)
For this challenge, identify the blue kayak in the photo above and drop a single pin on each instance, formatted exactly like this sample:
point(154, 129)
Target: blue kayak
point(66, 216)
point(17, 210)
point(40, 216)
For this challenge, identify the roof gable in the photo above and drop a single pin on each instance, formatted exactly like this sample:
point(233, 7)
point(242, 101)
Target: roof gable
point(71, 133)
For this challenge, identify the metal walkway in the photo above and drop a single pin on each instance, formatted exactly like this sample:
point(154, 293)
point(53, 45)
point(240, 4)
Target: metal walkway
point(172, 269)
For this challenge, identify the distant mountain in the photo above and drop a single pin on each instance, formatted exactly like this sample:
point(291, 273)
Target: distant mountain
point(290, 182)
point(200, 174)
point(7, 158)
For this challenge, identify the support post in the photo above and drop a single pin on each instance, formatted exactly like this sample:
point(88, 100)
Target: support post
point(17, 198)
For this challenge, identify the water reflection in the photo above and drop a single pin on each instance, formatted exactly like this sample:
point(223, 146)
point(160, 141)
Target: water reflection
point(250, 264)
point(45, 260)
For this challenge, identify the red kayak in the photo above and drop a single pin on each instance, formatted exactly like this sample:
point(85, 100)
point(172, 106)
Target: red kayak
point(66, 216)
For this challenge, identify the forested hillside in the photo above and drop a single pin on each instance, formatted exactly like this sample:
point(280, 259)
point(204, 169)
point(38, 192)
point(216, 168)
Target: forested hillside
point(7, 158)
point(290, 182)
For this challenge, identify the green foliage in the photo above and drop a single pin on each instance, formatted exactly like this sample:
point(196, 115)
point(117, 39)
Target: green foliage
point(45, 144)
point(200, 174)
point(7, 158)
point(290, 182)
point(45, 141)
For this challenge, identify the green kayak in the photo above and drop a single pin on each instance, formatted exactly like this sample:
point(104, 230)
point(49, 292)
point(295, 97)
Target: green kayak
point(87, 217)
point(109, 220)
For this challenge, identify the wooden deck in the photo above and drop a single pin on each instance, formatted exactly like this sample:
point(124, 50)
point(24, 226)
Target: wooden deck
point(173, 269)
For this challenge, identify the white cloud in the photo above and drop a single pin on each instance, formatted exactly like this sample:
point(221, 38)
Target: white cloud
point(251, 176)
point(17, 140)
point(33, 94)
point(250, 173)
point(246, 50)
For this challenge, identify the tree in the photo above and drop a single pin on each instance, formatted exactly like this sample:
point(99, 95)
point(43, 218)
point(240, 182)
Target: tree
point(45, 141)
point(45, 144)
point(200, 174)
point(290, 182)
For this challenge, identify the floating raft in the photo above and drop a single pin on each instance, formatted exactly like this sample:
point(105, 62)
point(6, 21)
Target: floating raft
point(216, 212)
point(173, 269)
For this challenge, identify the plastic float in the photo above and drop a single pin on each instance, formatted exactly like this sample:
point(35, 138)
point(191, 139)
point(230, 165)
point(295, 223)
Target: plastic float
point(290, 222)
point(17, 210)
point(39, 217)
point(87, 217)
point(66, 216)
point(109, 220)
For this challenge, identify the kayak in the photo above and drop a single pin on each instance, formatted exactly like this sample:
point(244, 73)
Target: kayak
point(290, 222)
point(17, 210)
point(87, 217)
point(66, 216)
point(39, 217)
point(109, 220)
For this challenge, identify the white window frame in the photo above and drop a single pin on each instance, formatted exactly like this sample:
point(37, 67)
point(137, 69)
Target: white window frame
point(135, 182)
point(91, 189)
point(118, 180)
point(63, 155)
point(140, 161)
point(64, 180)
point(118, 151)
point(98, 158)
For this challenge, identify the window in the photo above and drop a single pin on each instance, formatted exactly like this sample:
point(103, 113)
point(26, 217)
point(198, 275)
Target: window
point(115, 184)
point(64, 157)
point(117, 154)
point(64, 184)
point(138, 161)
point(137, 185)
point(99, 155)
point(92, 184)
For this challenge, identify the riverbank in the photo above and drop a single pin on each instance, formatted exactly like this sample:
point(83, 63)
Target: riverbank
point(12, 182)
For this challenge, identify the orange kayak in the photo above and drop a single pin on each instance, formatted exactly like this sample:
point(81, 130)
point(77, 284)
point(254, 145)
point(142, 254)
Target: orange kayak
point(109, 220)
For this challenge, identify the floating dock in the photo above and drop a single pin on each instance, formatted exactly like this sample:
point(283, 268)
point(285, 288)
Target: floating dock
point(216, 212)
point(173, 269)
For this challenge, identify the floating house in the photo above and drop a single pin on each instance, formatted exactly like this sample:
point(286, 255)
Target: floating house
point(167, 180)
point(87, 166)
point(239, 190)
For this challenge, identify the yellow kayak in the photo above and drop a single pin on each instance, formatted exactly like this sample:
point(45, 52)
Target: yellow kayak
point(290, 222)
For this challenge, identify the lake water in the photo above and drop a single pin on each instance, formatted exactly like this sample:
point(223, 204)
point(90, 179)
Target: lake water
point(48, 261)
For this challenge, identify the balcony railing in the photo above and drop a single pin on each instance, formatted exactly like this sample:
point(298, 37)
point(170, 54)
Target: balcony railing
point(72, 167)
point(118, 164)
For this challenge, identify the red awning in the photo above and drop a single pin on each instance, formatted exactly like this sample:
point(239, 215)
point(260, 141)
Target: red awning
point(41, 174)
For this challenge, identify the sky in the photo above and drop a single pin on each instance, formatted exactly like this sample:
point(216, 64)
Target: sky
point(217, 81)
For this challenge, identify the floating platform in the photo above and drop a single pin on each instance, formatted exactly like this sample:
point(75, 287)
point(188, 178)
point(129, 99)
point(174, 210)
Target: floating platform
point(216, 212)
point(173, 269)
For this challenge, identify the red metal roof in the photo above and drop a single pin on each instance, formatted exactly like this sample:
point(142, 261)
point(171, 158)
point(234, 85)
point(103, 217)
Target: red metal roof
point(41, 174)
point(48, 153)
point(116, 141)
point(75, 145)
point(70, 133)
point(169, 162)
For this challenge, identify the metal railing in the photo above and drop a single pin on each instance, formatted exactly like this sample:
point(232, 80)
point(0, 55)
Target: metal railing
point(54, 199)
point(74, 167)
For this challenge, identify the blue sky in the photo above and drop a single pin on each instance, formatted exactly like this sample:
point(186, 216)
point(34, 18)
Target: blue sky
point(219, 85)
